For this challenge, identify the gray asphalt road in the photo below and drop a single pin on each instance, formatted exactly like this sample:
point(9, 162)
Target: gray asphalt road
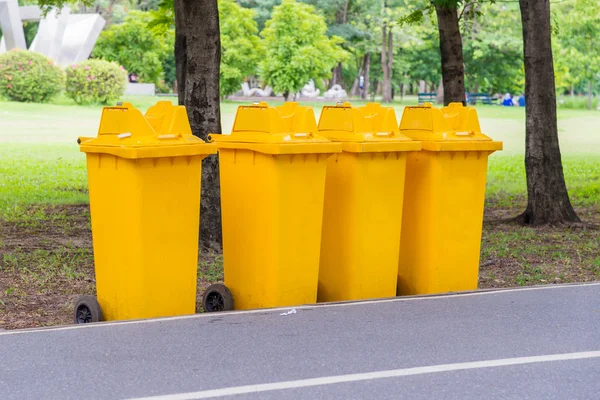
point(541, 343)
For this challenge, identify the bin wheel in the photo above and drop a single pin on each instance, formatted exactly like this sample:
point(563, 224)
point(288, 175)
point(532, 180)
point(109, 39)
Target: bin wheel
point(87, 310)
point(217, 298)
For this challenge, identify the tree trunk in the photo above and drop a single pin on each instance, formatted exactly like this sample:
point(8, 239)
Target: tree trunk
point(590, 90)
point(180, 50)
point(355, 85)
point(572, 90)
point(336, 79)
point(341, 18)
point(386, 64)
point(367, 66)
point(453, 68)
point(548, 200)
point(203, 45)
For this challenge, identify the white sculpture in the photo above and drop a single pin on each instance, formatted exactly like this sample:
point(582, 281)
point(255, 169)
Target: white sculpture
point(64, 37)
point(336, 92)
point(247, 92)
point(309, 90)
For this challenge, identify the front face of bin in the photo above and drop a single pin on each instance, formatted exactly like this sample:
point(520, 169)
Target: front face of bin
point(361, 226)
point(144, 176)
point(145, 218)
point(272, 206)
point(443, 205)
point(363, 203)
point(272, 170)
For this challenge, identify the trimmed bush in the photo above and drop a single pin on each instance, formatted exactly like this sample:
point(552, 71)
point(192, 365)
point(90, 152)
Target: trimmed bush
point(28, 76)
point(95, 81)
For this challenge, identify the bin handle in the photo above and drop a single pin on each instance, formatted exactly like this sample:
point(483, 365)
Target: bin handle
point(169, 136)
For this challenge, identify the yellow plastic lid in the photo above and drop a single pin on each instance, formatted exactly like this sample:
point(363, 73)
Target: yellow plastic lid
point(287, 129)
point(371, 128)
point(451, 128)
point(163, 132)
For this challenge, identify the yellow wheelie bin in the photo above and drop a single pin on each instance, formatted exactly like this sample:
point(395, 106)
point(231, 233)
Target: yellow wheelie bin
point(272, 169)
point(364, 190)
point(443, 206)
point(144, 185)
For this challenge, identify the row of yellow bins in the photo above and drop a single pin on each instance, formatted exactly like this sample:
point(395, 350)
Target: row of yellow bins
point(356, 207)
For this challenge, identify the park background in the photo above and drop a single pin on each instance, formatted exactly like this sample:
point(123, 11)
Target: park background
point(46, 257)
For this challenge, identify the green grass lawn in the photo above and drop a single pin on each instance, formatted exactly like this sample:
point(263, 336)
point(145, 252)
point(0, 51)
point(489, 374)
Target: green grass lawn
point(40, 161)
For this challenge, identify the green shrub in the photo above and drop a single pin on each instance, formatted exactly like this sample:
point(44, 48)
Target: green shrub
point(576, 102)
point(28, 76)
point(133, 45)
point(95, 81)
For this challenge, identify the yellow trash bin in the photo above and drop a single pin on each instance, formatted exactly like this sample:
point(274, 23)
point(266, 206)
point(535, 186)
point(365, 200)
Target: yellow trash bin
point(363, 202)
point(272, 168)
point(144, 185)
point(443, 206)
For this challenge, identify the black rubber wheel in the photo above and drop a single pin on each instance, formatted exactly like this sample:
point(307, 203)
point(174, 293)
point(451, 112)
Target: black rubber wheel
point(217, 298)
point(87, 310)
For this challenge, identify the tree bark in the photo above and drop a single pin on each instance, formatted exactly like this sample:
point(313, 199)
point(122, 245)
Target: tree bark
point(386, 63)
point(180, 50)
point(202, 100)
point(453, 68)
point(548, 201)
point(367, 67)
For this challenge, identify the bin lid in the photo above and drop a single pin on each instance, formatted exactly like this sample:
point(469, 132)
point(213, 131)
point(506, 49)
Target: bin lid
point(451, 128)
point(287, 129)
point(164, 131)
point(371, 128)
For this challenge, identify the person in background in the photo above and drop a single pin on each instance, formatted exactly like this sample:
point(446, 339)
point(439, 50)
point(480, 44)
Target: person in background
point(522, 100)
point(133, 78)
point(507, 100)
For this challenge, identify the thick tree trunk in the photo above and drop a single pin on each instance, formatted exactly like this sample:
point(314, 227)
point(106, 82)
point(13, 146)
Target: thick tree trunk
point(367, 67)
point(453, 68)
point(548, 200)
point(386, 63)
point(202, 68)
point(180, 50)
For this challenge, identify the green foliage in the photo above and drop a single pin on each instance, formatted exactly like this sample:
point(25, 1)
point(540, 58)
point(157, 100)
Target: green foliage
point(95, 82)
point(133, 45)
point(241, 48)
point(493, 50)
point(578, 43)
point(297, 47)
point(576, 103)
point(28, 76)
point(262, 9)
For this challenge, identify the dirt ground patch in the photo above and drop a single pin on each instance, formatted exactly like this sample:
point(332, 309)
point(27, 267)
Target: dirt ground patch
point(46, 260)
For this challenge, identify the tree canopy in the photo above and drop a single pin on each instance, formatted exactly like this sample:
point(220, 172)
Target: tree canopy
point(297, 48)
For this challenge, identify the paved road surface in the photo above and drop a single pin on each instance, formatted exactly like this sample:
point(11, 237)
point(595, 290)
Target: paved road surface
point(534, 343)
